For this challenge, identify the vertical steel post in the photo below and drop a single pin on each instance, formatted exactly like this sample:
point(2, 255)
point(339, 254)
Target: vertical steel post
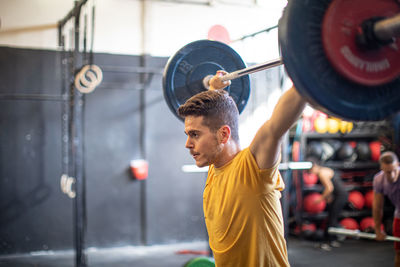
point(78, 103)
point(75, 111)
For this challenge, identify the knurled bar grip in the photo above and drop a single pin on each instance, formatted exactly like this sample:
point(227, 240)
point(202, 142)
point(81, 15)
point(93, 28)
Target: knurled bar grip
point(239, 73)
point(252, 69)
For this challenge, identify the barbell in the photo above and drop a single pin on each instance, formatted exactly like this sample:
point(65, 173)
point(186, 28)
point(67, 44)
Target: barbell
point(342, 56)
point(358, 234)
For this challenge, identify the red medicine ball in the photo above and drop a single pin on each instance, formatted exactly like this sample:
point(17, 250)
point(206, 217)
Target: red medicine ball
point(308, 227)
point(375, 147)
point(349, 223)
point(310, 206)
point(369, 199)
point(310, 179)
point(356, 200)
point(367, 224)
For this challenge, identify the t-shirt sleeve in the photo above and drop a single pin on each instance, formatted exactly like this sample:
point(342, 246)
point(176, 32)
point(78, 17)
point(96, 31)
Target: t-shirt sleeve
point(270, 178)
point(273, 178)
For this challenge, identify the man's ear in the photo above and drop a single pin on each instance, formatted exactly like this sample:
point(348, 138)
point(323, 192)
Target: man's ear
point(224, 134)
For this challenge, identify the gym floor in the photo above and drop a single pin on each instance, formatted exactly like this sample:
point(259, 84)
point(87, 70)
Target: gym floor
point(366, 253)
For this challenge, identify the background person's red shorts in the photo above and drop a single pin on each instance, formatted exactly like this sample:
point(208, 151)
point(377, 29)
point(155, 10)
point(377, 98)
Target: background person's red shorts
point(396, 232)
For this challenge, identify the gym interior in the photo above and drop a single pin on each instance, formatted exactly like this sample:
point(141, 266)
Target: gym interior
point(93, 165)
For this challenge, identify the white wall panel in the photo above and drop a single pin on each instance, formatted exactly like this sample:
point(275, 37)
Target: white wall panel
point(159, 29)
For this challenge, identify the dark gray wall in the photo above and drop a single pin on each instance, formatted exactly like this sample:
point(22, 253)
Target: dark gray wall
point(111, 141)
point(36, 215)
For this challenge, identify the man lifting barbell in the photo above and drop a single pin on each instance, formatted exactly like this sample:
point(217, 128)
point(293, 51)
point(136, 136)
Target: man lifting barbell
point(352, 73)
point(387, 182)
point(241, 197)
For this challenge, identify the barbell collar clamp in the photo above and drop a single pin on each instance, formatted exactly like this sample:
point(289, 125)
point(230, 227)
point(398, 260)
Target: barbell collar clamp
point(206, 81)
point(387, 29)
point(376, 32)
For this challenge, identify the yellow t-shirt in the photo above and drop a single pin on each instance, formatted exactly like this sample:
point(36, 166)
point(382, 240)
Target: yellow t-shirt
point(243, 214)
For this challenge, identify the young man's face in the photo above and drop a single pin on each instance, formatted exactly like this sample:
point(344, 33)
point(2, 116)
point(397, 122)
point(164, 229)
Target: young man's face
point(391, 171)
point(202, 143)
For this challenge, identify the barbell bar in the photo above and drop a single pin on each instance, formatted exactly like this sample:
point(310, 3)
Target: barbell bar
point(359, 234)
point(335, 72)
point(246, 71)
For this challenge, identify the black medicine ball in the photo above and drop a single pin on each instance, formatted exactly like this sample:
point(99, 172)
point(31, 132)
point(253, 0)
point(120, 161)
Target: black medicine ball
point(363, 151)
point(314, 149)
point(346, 152)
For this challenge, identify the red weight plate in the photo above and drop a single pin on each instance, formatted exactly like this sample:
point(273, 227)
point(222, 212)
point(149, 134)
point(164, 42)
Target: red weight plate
point(339, 29)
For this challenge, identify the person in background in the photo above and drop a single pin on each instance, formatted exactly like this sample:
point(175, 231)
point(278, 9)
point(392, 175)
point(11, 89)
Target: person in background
point(387, 183)
point(241, 198)
point(335, 195)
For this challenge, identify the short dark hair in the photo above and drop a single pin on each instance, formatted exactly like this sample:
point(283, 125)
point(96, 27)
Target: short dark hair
point(388, 157)
point(217, 109)
point(314, 160)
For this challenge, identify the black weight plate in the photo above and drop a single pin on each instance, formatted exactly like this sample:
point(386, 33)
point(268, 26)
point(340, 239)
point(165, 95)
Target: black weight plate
point(314, 76)
point(184, 73)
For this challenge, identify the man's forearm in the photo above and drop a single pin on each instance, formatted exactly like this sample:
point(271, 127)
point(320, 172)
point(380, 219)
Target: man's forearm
point(377, 214)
